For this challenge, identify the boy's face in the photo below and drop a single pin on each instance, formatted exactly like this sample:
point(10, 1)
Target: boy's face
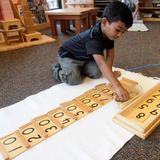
point(113, 30)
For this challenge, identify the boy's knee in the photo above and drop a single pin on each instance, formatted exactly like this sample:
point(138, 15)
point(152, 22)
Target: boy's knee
point(91, 70)
point(74, 81)
point(95, 74)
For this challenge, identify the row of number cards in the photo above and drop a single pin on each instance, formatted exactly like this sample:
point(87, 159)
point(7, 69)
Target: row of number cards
point(48, 124)
point(143, 115)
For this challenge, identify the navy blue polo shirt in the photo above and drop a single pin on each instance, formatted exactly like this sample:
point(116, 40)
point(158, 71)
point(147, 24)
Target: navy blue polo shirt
point(84, 45)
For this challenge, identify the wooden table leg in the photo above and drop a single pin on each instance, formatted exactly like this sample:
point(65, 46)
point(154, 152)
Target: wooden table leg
point(78, 25)
point(85, 23)
point(93, 18)
point(53, 26)
point(89, 21)
point(64, 25)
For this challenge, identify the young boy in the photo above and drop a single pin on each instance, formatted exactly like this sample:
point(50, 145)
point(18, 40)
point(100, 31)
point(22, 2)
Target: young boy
point(83, 54)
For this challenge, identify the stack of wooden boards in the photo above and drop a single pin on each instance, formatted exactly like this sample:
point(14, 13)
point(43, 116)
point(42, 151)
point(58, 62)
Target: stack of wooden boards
point(67, 113)
point(143, 115)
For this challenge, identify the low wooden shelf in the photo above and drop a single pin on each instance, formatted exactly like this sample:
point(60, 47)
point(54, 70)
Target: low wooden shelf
point(147, 7)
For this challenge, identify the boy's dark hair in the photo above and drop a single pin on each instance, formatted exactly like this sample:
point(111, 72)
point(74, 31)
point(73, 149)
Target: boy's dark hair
point(118, 11)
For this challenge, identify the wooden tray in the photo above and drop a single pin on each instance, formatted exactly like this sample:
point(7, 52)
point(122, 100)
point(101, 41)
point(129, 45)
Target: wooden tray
point(142, 116)
point(139, 134)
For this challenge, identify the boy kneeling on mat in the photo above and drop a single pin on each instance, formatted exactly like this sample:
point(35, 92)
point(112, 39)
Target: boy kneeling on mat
point(83, 55)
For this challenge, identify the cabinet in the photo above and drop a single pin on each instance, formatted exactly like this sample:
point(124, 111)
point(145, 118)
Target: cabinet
point(149, 10)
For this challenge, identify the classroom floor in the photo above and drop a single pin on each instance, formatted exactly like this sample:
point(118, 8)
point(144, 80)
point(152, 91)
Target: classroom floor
point(26, 71)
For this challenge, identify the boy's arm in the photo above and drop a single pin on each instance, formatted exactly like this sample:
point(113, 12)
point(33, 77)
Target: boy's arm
point(108, 74)
point(110, 57)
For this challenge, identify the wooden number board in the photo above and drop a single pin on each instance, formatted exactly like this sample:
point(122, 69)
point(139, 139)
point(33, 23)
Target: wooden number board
point(13, 145)
point(143, 115)
point(63, 117)
point(100, 97)
point(47, 125)
point(131, 86)
point(31, 134)
point(106, 89)
point(87, 101)
point(134, 90)
point(75, 108)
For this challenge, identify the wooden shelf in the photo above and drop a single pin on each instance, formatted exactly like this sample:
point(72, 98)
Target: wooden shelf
point(103, 1)
point(146, 7)
point(79, 3)
point(152, 19)
point(149, 8)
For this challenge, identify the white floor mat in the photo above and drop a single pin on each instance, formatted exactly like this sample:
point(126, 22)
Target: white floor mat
point(94, 137)
point(138, 26)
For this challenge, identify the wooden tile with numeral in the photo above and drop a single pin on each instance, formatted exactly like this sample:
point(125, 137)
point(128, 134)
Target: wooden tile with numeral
point(62, 116)
point(134, 90)
point(12, 145)
point(75, 108)
point(143, 115)
point(128, 82)
point(106, 88)
point(47, 125)
point(100, 97)
point(32, 134)
point(89, 102)
point(131, 86)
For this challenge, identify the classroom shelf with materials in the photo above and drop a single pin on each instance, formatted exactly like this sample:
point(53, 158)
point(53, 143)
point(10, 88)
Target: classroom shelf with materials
point(149, 10)
point(101, 4)
point(77, 3)
point(19, 30)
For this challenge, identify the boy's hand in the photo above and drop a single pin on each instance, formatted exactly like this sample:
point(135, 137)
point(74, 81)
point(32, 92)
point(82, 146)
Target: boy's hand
point(122, 94)
point(117, 74)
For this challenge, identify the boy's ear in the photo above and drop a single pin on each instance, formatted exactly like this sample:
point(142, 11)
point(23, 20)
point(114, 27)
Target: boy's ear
point(104, 20)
